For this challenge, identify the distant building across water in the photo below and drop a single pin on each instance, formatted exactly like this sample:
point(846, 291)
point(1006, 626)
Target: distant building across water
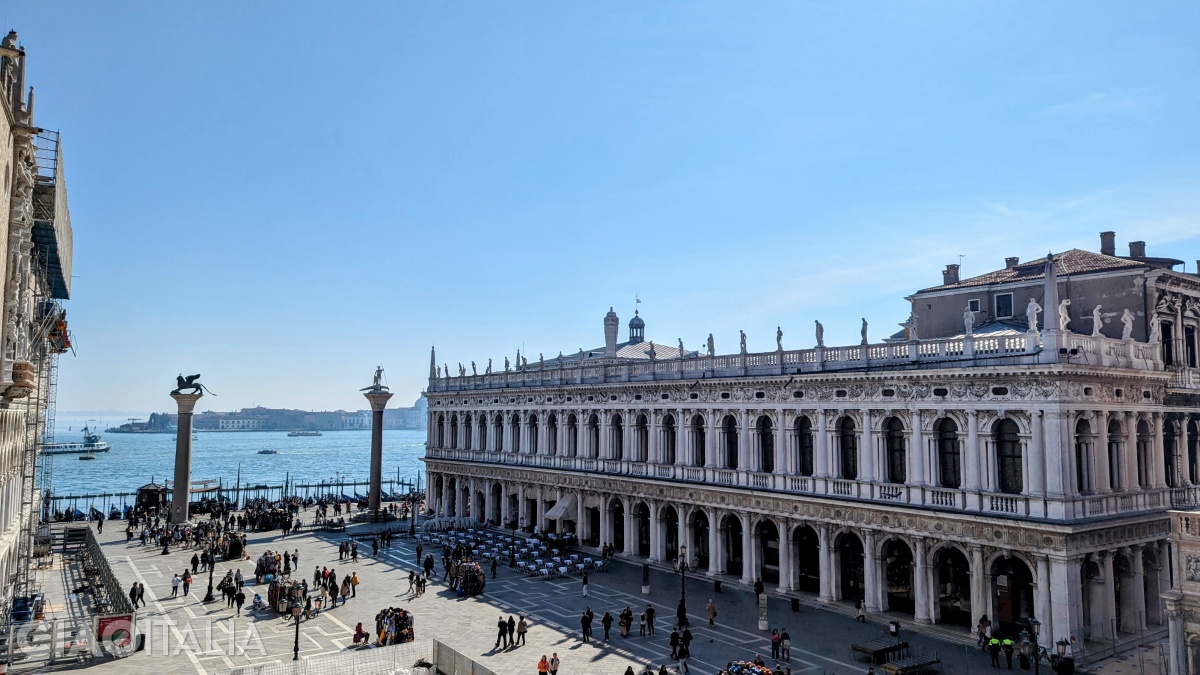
point(282, 419)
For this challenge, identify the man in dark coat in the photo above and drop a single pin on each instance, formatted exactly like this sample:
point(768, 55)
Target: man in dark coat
point(512, 628)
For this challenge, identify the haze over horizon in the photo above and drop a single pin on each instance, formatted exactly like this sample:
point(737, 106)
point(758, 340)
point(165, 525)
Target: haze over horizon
point(282, 196)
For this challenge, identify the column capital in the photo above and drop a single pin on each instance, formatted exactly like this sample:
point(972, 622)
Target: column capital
point(186, 402)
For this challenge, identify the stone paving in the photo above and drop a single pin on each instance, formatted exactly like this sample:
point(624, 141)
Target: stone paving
point(187, 635)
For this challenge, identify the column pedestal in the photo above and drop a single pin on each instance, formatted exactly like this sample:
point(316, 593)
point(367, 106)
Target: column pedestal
point(183, 457)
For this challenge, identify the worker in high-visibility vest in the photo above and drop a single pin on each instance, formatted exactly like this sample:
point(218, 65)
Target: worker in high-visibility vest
point(994, 650)
point(1008, 647)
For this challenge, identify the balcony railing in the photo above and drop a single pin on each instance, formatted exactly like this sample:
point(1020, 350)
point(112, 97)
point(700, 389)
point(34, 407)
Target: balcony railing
point(1137, 501)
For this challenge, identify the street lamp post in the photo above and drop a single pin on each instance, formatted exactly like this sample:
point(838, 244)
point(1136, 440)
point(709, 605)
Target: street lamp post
point(297, 608)
point(1031, 650)
point(210, 558)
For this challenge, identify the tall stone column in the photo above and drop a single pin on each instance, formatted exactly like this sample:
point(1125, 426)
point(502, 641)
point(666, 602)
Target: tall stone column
point(867, 451)
point(183, 457)
point(871, 587)
point(821, 446)
point(1158, 464)
point(918, 453)
point(979, 585)
point(1037, 456)
point(973, 456)
point(785, 558)
point(921, 581)
point(825, 560)
point(747, 550)
point(1042, 609)
point(1133, 604)
point(714, 543)
point(378, 396)
point(1100, 458)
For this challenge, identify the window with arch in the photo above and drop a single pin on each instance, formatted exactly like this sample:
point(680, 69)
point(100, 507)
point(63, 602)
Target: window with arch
point(848, 449)
point(552, 435)
point(617, 436)
point(670, 451)
point(572, 436)
point(1010, 478)
point(498, 425)
point(949, 453)
point(729, 427)
point(804, 446)
point(766, 444)
point(483, 433)
point(1083, 456)
point(440, 436)
point(1170, 438)
point(1115, 445)
point(1145, 446)
point(698, 440)
point(641, 448)
point(593, 431)
point(897, 457)
point(468, 432)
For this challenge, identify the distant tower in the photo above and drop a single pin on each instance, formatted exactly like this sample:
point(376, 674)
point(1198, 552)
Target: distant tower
point(637, 329)
point(432, 363)
point(611, 325)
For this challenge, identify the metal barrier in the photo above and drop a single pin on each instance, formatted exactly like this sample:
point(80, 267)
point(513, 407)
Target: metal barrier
point(395, 660)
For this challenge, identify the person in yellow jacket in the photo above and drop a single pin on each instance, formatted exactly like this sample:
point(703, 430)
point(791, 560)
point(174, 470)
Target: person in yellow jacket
point(354, 585)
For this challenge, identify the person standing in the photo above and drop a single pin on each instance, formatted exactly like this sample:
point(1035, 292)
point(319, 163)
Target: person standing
point(585, 584)
point(420, 550)
point(775, 644)
point(642, 624)
point(1007, 645)
point(133, 596)
point(983, 628)
point(195, 562)
point(994, 650)
point(187, 581)
point(758, 590)
point(493, 568)
point(501, 633)
point(861, 617)
point(175, 581)
point(650, 618)
point(785, 645)
point(512, 629)
point(585, 626)
point(607, 622)
point(239, 600)
point(674, 642)
point(554, 663)
point(354, 585)
point(681, 614)
point(711, 610)
point(543, 665)
point(522, 628)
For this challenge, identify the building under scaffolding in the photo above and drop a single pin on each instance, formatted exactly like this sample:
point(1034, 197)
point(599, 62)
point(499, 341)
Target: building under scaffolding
point(36, 259)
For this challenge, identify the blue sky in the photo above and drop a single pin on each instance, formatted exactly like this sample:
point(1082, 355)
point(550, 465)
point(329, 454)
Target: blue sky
point(282, 195)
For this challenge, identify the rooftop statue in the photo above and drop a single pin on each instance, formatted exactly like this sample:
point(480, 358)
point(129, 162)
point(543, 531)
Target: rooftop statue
point(1155, 329)
point(559, 364)
point(1031, 312)
point(864, 330)
point(473, 371)
point(1064, 316)
point(711, 349)
point(651, 351)
point(541, 361)
point(779, 338)
point(439, 372)
point(506, 364)
point(820, 334)
point(190, 382)
point(1127, 323)
point(376, 382)
point(489, 368)
point(681, 348)
point(1097, 322)
point(968, 321)
point(743, 340)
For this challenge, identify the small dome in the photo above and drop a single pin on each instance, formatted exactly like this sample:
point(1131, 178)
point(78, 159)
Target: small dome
point(636, 321)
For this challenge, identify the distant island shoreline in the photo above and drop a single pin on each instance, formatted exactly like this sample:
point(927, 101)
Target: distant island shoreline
point(279, 419)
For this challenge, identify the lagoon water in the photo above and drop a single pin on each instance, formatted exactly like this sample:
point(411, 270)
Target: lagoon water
point(135, 459)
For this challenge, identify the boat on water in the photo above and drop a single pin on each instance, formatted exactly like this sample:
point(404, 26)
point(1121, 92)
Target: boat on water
point(268, 452)
point(90, 446)
point(304, 433)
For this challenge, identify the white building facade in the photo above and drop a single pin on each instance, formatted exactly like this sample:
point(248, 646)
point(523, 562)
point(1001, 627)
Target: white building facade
point(1013, 476)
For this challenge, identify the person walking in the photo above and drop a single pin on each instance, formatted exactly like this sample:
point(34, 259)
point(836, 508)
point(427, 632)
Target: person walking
point(501, 633)
point(711, 610)
point(133, 594)
point(512, 629)
point(543, 665)
point(493, 568)
point(1007, 645)
point(187, 581)
point(607, 622)
point(685, 639)
point(585, 626)
point(195, 562)
point(775, 644)
point(239, 600)
point(175, 581)
point(994, 650)
point(861, 617)
point(554, 663)
point(141, 598)
point(585, 584)
point(642, 624)
point(650, 619)
point(411, 578)
point(354, 585)
point(674, 642)
point(785, 645)
point(420, 550)
point(522, 628)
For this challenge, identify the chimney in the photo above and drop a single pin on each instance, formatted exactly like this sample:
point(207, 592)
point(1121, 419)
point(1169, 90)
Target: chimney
point(950, 275)
point(1137, 249)
point(1012, 262)
point(1108, 243)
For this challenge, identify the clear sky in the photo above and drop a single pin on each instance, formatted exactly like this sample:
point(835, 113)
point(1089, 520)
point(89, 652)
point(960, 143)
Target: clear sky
point(282, 195)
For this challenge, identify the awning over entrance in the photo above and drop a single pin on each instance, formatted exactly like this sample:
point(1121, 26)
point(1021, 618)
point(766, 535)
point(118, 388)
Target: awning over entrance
point(565, 508)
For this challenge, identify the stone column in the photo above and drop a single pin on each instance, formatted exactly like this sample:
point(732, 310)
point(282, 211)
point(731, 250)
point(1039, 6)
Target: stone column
point(1066, 600)
point(1131, 463)
point(710, 441)
point(785, 557)
point(783, 458)
point(1177, 611)
point(1057, 451)
point(180, 489)
point(1103, 600)
point(1133, 602)
point(1037, 456)
point(1100, 458)
point(653, 444)
point(821, 446)
point(540, 525)
point(630, 542)
point(979, 586)
point(1042, 608)
point(747, 550)
point(918, 453)
point(378, 399)
point(445, 510)
point(747, 461)
point(714, 543)
point(657, 540)
point(825, 563)
point(460, 510)
point(605, 446)
point(870, 573)
point(1157, 462)
point(867, 451)
point(973, 455)
point(921, 581)
point(683, 535)
point(489, 507)
point(582, 527)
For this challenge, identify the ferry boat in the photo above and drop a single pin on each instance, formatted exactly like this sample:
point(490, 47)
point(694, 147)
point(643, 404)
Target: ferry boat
point(304, 433)
point(91, 444)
